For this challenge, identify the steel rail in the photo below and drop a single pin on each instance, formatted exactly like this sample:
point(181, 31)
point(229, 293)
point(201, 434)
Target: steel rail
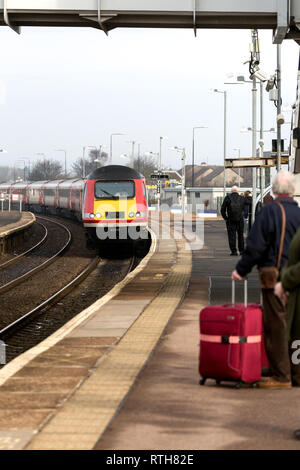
point(46, 304)
point(41, 266)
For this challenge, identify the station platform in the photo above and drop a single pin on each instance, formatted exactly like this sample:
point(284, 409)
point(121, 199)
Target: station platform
point(124, 373)
point(12, 224)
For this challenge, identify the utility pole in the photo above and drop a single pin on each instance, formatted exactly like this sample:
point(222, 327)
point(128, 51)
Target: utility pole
point(254, 58)
point(278, 78)
point(261, 143)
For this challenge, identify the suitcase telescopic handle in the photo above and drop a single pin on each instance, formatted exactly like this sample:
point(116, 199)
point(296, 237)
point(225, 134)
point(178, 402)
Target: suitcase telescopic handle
point(245, 292)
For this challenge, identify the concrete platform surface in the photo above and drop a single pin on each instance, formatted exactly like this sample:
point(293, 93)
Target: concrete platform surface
point(168, 409)
point(124, 375)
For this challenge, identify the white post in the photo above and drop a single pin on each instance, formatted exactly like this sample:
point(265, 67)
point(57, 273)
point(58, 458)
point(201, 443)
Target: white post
point(183, 184)
point(225, 115)
point(279, 106)
point(254, 90)
point(261, 134)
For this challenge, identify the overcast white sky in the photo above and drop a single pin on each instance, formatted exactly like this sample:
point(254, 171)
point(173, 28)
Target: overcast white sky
point(67, 88)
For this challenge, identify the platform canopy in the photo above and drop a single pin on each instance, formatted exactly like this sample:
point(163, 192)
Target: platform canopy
point(281, 16)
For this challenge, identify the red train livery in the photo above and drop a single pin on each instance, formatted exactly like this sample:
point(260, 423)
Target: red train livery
point(111, 202)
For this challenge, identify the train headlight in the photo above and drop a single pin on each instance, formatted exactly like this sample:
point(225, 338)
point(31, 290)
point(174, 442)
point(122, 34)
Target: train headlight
point(98, 215)
point(131, 214)
point(138, 214)
point(92, 216)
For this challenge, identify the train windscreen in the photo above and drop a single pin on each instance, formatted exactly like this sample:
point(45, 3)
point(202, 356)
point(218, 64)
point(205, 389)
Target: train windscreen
point(114, 189)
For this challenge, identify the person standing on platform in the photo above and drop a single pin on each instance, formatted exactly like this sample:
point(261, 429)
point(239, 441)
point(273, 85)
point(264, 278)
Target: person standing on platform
point(232, 213)
point(247, 211)
point(267, 247)
point(288, 290)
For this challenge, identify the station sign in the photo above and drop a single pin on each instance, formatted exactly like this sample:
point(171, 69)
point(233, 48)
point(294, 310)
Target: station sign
point(249, 162)
point(159, 176)
point(15, 197)
point(2, 197)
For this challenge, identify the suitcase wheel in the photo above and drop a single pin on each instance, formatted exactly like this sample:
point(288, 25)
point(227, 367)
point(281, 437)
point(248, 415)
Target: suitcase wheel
point(238, 385)
point(202, 381)
point(218, 382)
point(254, 385)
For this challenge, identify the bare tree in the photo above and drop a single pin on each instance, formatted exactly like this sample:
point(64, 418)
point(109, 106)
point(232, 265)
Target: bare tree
point(90, 163)
point(46, 170)
point(145, 165)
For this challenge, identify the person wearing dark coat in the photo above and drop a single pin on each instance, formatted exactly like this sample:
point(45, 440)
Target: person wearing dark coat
point(288, 290)
point(232, 213)
point(262, 250)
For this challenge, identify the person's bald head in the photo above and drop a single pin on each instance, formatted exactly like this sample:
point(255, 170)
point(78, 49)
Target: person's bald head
point(234, 189)
point(283, 183)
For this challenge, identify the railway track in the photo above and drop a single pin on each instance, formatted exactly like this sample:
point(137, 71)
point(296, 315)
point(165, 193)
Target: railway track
point(22, 328)
point(12, 273)
point(46, 304)
point(34, 326)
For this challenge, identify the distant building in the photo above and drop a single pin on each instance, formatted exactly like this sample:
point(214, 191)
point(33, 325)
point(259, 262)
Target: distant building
point(210, 198)
point(211, 176)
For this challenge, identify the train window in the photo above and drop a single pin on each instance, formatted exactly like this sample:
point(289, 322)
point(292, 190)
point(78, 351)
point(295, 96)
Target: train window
point(49, 192)
point(114, 189)
point(64, 192)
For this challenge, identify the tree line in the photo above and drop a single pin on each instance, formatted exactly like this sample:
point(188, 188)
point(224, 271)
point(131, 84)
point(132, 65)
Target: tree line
point(48, 169)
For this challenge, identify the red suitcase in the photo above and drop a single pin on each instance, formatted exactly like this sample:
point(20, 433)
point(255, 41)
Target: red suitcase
point(231, 342)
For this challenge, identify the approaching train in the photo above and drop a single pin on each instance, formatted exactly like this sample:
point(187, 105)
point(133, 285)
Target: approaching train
point(111, 202)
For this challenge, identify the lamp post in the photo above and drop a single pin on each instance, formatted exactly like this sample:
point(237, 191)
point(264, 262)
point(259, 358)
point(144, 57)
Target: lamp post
point(193, 151)
point(83, 158)
point(132, 142)
point(111, 143)
point(159, 172)
point(239, 155)
point(278, 76)
point(240, 81)
point(183, 158)
point(65, 152)
point(224, 150)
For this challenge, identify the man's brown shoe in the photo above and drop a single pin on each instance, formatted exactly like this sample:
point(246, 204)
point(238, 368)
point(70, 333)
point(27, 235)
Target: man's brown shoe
point(270, 382)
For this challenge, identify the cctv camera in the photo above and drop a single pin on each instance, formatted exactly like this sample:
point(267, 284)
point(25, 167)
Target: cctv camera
point(258, 75)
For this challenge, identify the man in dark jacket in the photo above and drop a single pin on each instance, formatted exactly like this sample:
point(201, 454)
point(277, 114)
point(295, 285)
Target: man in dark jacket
point(262, 248)
point(232, 213)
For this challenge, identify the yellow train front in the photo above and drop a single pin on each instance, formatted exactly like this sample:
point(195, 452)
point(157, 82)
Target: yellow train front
point(115, 205)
